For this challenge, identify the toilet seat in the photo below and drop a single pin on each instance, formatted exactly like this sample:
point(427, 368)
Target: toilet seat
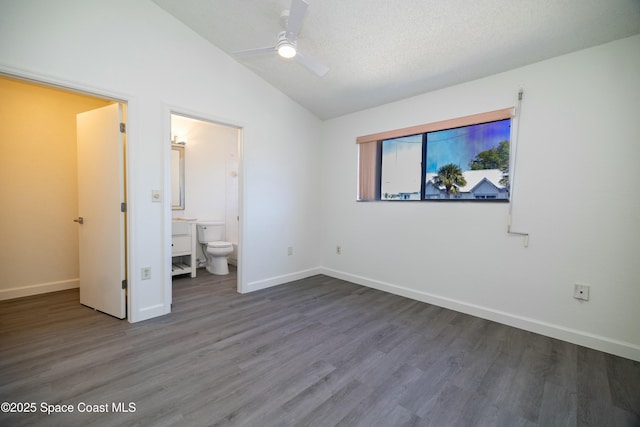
point(220, 244)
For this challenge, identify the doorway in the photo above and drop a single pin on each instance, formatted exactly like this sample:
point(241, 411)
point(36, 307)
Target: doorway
point(39, 179)
point(212, 179)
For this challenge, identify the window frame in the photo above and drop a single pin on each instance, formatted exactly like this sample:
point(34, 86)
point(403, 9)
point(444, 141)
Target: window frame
point(370, 165)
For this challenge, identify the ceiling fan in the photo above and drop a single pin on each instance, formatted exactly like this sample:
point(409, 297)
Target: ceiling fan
point(287, 45)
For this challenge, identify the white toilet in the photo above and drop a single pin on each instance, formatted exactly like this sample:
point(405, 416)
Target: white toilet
point(216, 250)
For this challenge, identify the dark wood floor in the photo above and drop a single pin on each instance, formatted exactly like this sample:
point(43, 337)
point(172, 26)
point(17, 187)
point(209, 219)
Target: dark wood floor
point(318, 351)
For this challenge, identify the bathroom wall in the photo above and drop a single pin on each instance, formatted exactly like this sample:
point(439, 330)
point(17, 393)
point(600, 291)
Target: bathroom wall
point(211, 172)
point(232, 164)
point(38, 187)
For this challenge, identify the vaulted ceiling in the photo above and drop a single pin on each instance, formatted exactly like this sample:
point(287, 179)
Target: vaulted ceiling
point(380, 51)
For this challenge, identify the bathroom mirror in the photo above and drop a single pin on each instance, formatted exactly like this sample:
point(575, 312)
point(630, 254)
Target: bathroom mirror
point(177, 176)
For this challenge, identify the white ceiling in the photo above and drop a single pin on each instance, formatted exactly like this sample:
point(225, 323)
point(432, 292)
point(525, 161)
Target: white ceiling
point(380, 51)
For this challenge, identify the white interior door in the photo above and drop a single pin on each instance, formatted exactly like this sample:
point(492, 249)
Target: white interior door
point(100, 194)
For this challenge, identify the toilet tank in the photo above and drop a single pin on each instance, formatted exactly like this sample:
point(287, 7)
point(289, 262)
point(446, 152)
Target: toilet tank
point(210, 231)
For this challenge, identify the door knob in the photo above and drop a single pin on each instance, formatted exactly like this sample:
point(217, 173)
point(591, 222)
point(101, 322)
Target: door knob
point(79, 220)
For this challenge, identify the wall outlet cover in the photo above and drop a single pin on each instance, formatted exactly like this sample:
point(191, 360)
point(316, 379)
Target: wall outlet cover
point(581, 292)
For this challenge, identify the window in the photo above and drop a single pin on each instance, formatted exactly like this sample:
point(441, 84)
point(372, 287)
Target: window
point(459, 159)
point(401, 168)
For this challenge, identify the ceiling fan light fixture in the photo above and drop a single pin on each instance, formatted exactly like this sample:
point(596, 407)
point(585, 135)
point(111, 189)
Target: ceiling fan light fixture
point(287, 49)
point(286, 45)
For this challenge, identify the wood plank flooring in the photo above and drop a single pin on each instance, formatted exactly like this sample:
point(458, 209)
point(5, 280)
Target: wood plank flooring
point(315, 352)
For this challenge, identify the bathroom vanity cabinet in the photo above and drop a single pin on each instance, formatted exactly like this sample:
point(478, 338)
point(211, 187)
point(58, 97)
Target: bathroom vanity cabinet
point(183, 248)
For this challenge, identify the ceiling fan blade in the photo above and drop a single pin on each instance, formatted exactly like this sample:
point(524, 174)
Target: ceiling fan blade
point(296, 16)
point(312, 64)
point(253, 52)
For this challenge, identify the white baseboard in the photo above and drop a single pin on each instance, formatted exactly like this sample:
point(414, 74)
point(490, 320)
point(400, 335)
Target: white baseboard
point(146, 313)
point(41, 288)
point(597, 342)
point(279, 280)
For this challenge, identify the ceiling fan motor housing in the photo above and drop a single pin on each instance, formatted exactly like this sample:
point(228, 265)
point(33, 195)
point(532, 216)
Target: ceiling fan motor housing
point(287, 47)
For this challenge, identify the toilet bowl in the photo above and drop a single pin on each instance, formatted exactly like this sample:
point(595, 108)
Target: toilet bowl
point(216, 250)
point(217, 253)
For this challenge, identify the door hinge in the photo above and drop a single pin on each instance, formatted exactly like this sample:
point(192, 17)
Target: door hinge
point(124, 284)
point(123, 128)
point(123, 207)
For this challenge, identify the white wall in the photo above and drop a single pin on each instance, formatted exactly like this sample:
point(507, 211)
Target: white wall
point(130, 50)
point(231, 189)
point(575, 194)
point(205, 167)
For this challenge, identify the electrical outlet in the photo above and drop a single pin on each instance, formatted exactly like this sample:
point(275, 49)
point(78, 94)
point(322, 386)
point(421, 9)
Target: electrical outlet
point(581, 292)
point(290, 250)
point(145, 273)
point(339, 250)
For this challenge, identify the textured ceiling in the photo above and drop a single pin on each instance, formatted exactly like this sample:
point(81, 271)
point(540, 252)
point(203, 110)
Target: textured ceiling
point(380, 51)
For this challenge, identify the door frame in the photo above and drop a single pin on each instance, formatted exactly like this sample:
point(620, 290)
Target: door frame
point(170, 110)
point(130, 105)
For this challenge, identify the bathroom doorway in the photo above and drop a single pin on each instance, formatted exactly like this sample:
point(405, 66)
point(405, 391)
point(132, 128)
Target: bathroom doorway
point(40, 179)
point(212, 180)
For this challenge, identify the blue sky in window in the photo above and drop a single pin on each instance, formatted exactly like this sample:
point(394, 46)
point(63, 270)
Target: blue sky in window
point(459, 146)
